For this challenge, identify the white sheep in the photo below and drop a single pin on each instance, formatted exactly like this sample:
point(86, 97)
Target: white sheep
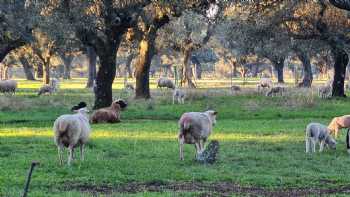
point(72, 130)
point(165, 82)
point(264, 83)
point(195, 128)
point(8, 86)
point(179, 95)
point(324, 91)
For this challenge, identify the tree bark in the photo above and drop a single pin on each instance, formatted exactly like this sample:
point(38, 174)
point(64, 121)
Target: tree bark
point(341, 60)
point(105, 77)
point(279, 65)
point(187, 70)
point(39, 71)
point(92, 67)
point(27, 68)
point(198, 65)
point(143, 65)
point(307, 78)
point(46, 76)
point(6, 48)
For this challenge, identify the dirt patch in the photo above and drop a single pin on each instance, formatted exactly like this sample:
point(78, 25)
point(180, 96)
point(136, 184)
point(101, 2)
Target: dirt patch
point(208, 189)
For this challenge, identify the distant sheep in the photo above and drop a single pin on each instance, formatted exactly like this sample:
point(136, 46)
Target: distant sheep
point(179, 95)
point(274, 91)
point(195, 128)
point(165, 83)
point(324, 91)
point(8, 86)
point(235, 89)
point(72, 130)
point(109, 114)
point(129, 86)
point(264, 83)
point(49, 89)
point(339, 123)
point(316, 132)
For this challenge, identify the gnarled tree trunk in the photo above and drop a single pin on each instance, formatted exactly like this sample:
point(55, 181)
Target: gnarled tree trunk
point(278, 64)
point(128, 64)
point(307, 78)
point(341, 61)
point(67, 60)
point(187, 69)
point(46, 76)
point(27, 68)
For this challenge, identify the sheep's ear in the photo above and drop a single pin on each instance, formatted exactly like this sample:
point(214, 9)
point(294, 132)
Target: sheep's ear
point(215, 112)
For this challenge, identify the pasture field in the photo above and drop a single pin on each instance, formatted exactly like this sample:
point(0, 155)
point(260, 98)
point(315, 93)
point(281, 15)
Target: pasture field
point(262, 147)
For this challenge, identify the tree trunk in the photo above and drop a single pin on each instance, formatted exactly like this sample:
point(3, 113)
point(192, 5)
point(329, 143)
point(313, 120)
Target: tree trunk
point(39, 71)
point(187, 75)
point(128, 64)
point(105, 77)
point(46, 76)
point(27, 68)
point(279, 65)
point(6, 73)
point(198, 65)
point(67, 60)
point(307, 78)
point(341, 60)
point(146, 52)
point(92, 67)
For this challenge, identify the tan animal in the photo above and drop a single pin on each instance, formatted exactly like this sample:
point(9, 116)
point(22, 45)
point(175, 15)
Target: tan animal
point(339, 123)
point(109, 114)
point(195, 128)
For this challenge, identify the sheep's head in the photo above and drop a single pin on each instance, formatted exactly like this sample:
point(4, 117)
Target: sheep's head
point(212, 115)
point(83, 110)
point(331, 142)
point(121, 103)
point(79, 106)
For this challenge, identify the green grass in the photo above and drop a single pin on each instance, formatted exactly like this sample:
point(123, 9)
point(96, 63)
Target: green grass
point(261, 145)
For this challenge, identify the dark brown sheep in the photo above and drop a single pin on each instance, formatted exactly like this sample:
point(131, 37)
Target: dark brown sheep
point(109, 114)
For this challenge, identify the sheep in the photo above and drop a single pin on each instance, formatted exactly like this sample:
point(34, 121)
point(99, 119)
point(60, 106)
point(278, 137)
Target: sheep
point(275, 90)
point(235, 88)
point(8, 86)
point(264, 83)
point(109, 114)
point(179, 95)
point(316, 132)
point(129, 86)
point(195, 128)
point(51, 88)
point(72, 130)
point(339, 123)
point(165, 82)
point(324, 91)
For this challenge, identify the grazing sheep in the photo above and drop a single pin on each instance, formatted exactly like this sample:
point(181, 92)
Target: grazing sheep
point(8, 86)
point(195, 128)
point(324, 91)
point(165, 82)
point(109, 114)
point(275, 90)
point(339, 123)
point(72, 130)
point(51, 88)
point(179, 95)
point(264, 83)
point(316, 132)
point(235, 88)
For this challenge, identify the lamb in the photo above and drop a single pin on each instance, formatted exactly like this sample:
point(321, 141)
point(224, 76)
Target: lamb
point(179, 95)
point(339, 123)
point(275, 90)
point(51, 88)
point(165, 82)
point(264, 83)
point(109, 114)
point(72, 130)
point(8, 86)
point(324, 91)
point(195, 128)
point(316, 132)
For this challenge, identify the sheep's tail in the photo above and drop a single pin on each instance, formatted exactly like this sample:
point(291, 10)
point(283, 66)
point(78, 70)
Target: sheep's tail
point(347, 141)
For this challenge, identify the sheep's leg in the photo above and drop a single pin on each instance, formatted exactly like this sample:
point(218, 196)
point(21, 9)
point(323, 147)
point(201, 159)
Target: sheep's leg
point(70, 157)
point(307, 145)
point(321, 146)
point(60, 152)
point(198, 148)
point(82, 152)
point(183, 100)
point(181, 146)
point(173, 100)
point(313, 145)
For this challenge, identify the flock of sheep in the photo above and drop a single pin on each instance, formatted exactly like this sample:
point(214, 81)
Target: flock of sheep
point(73, 130)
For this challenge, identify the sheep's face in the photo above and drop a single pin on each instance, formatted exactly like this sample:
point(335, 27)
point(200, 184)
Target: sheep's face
point(121, 103)
point(83, 110)
point(331, 142)
point(79, 106)
point(212, 115)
